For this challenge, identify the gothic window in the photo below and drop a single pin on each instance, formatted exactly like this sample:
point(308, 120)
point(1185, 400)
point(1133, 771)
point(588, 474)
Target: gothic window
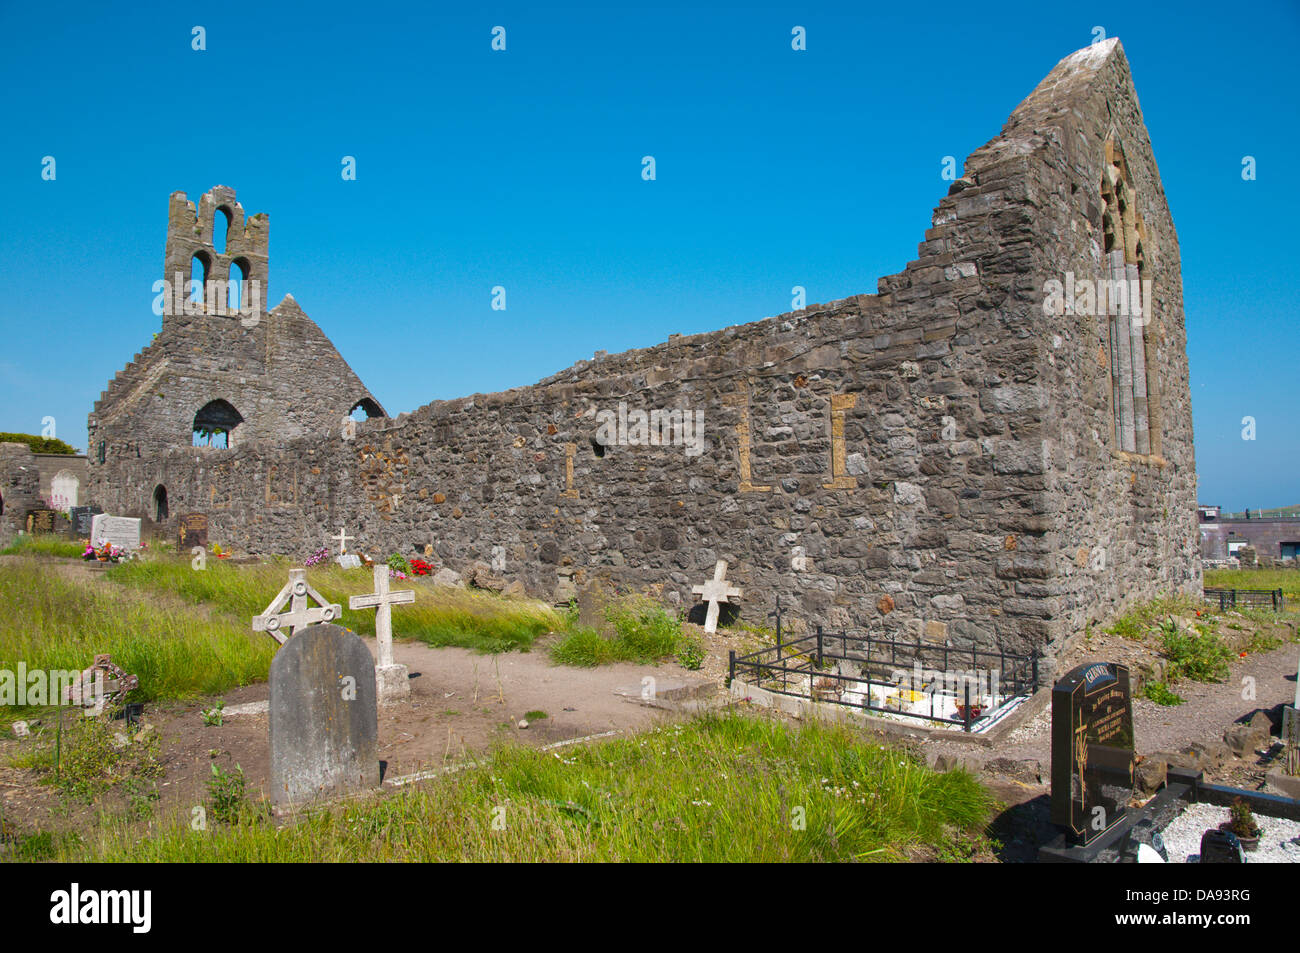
point(160, 504)
point(198, 277)
point(220, 228)
point(237, 275)
point(364, 409)
point(215, 423)
point(1127, 314)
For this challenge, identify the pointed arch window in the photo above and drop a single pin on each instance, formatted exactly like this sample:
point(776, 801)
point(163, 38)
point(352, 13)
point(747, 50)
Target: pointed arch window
point(1127, 316)
point(215, 423)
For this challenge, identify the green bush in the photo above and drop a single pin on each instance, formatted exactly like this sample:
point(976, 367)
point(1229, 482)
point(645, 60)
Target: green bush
point(1201, 655)
point(1160, 693)
point(38, 444)
point(638, 631)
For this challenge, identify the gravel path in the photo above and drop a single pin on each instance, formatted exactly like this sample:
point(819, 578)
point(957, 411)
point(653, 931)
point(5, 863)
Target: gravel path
point(1207, 709)
point(1279, 844)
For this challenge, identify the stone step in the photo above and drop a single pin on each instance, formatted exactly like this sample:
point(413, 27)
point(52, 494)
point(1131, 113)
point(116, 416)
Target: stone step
point(672, 693)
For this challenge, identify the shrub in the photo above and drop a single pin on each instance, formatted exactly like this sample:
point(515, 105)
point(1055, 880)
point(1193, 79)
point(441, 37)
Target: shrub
point(226, 794)
point(1200, 655)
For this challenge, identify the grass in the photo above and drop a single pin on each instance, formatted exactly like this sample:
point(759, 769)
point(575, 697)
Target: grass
point(640, 631)
point(440, 615)
point(1146, 619)
point(1160, 693)
point(1288, 580)
point(84, 761)
point(48, 623)
point(44, 546)
point(715, 789)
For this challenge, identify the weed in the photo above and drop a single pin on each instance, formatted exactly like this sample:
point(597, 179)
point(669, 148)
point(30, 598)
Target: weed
point(226, 793)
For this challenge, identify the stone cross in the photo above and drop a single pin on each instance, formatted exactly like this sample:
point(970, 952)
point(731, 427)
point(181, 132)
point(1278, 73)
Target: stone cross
point(91, 691)
point(343, 538)
point(714, 591)
point(274, 621)
point(391, 678)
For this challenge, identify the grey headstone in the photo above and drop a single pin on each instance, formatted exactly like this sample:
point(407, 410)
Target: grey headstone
point(121, 531)
point(324, 717)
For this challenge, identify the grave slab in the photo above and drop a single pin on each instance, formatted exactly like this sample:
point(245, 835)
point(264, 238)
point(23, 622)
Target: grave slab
point(324, 717)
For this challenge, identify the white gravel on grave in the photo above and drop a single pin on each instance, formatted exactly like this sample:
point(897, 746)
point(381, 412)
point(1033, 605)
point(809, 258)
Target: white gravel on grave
point(1279, 844)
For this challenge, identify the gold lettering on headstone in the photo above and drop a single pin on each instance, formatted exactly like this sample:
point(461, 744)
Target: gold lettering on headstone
point(570, 451)
point(840, 479)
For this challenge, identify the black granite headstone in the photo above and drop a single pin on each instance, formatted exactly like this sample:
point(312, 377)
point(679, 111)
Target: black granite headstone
point(191, 531)
point(81, 519)
point(324, 717)
point(41, 522)
point(1221, 847)
point(1092, 749)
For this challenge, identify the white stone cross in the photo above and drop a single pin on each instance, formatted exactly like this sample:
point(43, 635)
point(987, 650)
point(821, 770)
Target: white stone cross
point(343, 538)
point(274, 621)
point(391, 678)
point(714, 591)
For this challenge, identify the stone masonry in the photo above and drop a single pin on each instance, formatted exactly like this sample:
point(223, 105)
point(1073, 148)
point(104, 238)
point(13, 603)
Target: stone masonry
point(957, 457)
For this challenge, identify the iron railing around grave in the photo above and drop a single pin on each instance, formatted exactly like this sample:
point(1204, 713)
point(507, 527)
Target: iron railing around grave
point(1246, 598)
point(810, 667)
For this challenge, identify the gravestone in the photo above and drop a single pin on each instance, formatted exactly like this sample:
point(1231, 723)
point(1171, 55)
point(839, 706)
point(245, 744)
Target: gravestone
point(93, 691)
point(191, 531)
point(1092, 749)
point(121, 531)
point(296, 595)
point(41, 522)
point(1221, 847)
point(324, 717)
point(716, 590)
point(393, 677)
point(81, 519)
point(348, 561)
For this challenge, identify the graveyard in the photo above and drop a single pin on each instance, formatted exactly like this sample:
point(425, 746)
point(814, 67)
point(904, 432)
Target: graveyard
point(472, 710)
point(911, 568)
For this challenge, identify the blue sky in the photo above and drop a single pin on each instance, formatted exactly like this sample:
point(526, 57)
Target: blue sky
point(522, 169)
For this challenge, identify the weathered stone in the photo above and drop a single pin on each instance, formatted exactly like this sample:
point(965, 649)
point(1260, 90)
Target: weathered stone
point(448, 577)
point(1149, 776)
point(323, 717)
point(814, 419)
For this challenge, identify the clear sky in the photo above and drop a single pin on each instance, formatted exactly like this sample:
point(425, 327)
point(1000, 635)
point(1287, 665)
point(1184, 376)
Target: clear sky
point(522, 168)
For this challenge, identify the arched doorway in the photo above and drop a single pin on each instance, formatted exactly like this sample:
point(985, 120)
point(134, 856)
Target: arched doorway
point(160, 504)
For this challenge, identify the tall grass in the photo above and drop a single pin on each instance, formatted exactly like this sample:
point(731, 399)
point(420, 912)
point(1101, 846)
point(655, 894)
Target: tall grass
point(439, 616)
point(44, 546)
point(1288, 580)
point(639, 631)
point(719, 789)
point(48, 622)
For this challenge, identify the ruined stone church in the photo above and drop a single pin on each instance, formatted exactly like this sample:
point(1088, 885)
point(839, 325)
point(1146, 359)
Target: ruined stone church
point(976, 453)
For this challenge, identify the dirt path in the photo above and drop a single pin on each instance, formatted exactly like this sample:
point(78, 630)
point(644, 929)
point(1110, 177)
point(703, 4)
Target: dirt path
point(461, 705)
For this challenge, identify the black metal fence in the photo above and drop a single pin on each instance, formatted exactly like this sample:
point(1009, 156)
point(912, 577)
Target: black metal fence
point(1246, 598)
point(811, 667)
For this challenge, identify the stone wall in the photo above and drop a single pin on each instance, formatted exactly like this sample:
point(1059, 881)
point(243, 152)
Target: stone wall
point(20, 488)
point(276, 369)
point(939, 460)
